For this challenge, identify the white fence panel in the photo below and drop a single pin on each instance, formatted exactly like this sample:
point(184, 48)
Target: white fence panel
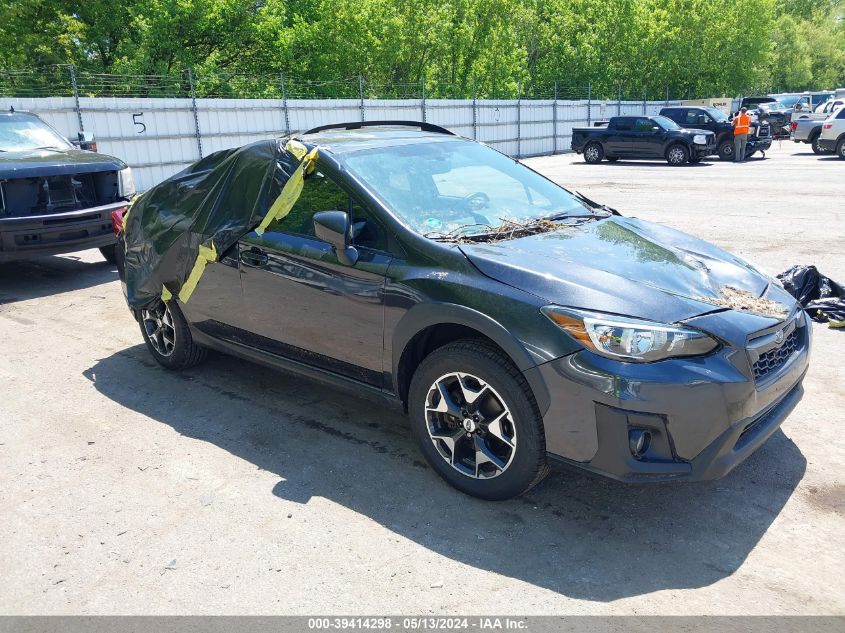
point(497, 125)
point(453, 114)
point(159, 136)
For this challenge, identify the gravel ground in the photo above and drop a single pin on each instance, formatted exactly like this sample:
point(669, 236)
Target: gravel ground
point(234, 489)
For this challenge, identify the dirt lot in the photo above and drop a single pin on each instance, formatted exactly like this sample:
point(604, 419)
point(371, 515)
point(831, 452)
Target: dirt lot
point(233, 489)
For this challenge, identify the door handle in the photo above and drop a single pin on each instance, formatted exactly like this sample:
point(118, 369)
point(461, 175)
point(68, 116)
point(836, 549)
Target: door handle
point(254, 257)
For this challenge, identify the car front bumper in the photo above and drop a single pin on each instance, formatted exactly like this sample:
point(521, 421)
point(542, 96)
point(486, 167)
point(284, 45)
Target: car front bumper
point(39, 235)
point(704, 415)
point(702, 151)
point(759, 144)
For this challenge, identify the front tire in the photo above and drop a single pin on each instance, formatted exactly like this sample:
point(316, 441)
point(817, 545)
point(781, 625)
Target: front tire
point(168, 338)
point(677, 155)
point(815, 145)
point(475, 420)
point(726, 150)
point(840, 148)
point(593, 153)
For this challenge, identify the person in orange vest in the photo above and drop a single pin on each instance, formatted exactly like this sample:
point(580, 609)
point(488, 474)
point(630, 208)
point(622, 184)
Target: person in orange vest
point(742, 126)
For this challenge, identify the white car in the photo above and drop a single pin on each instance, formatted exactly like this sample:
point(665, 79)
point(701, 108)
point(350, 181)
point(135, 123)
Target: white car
point(832, 138)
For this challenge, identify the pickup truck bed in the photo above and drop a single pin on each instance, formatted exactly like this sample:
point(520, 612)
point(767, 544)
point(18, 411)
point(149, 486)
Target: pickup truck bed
point(808, 131)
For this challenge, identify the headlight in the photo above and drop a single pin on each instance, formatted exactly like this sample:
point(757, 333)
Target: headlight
point(125, 183)
point(628, 339)
point(699, 139)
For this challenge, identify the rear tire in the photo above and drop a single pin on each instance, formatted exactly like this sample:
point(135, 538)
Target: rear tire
point(168, 337)
point(475, 420)
point(677, 155)
point(593, 153)
point(726, 150)
point(109, 253)
point(815, 145)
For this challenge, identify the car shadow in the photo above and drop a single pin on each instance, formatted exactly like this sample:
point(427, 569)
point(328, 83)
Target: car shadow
point(575, 534)
point(646, 163)
point(29, 279)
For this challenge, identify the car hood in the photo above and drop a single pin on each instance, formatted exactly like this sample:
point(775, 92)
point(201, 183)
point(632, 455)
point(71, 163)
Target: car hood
point(622, 266)
point(55, 162)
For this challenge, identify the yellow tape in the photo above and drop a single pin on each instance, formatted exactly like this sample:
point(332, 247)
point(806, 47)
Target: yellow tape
point(128, 209)
point(166, 295)
point(296, 148)
point(206, 254)
point(293, 187)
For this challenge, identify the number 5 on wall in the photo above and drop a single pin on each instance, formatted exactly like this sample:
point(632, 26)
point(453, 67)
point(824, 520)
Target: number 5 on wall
point(137, 122)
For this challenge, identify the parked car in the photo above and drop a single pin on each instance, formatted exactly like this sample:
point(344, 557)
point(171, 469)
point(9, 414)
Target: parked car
point(808, 131)
point(518, 323)
point(55, 198)
point(716, 121)
point(646, 137)
point(832, 137)
point(802, 101)
point(821, 111)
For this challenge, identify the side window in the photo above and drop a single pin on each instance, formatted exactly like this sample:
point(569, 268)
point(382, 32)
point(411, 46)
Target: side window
point(319, 193)
point(676, 115)
point(644, 125)
point(692, 118)
point(841, 114)
point(366, 232)
point(623, 125)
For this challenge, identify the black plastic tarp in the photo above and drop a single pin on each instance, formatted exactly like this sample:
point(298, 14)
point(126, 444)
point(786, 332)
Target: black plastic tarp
point(821, 297)
point(200, 212)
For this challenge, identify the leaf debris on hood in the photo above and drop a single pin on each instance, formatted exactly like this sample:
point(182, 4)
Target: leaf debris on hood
point(743, 301)
point(507, 230)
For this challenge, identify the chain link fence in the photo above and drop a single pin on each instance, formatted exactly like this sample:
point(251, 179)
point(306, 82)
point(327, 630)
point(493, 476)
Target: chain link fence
point(65, 80)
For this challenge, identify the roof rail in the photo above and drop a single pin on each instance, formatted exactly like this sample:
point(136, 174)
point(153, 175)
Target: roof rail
point(425, 127)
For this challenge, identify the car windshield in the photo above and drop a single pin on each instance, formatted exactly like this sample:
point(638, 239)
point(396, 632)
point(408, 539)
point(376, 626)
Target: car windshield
point(459, 188)
point(772, 105)
point(717, 114)
point(665, 123)
point(790, 101)
point(19, 132)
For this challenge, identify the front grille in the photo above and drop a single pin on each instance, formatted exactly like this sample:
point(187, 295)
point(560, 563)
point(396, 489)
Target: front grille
point(774, 359)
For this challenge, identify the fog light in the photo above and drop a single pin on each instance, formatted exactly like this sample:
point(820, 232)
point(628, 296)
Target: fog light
point(639, 441)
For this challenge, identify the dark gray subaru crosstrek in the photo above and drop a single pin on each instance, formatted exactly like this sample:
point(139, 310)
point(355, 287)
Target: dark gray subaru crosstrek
point(518, 323)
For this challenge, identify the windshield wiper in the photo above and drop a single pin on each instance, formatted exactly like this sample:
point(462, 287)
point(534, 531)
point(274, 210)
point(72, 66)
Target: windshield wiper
point(594, 204)
point(580, 216)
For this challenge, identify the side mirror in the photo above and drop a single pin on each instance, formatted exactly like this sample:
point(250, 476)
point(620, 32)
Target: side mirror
point(335, 228)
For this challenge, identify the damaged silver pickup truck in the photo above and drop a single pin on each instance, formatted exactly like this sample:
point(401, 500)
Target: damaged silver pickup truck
point(54, 197)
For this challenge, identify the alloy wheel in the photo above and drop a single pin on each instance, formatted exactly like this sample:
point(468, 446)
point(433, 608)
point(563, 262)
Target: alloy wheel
point(591, 153)
point(470, 425)
point(676, 155)
point(158, 326)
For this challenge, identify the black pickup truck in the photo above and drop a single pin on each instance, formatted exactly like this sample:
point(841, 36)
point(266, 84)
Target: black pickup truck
point(646, 137)
point(716, 121)
point(55, 198)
